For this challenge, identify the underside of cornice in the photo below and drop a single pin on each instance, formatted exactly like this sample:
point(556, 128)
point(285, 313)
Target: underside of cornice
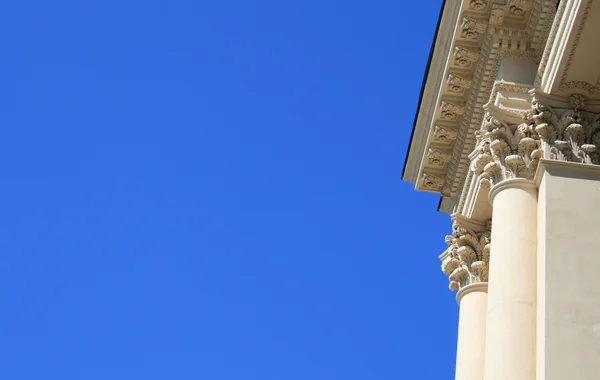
point(485, 35)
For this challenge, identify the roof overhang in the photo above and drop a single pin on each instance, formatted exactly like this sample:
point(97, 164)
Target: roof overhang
point(475, 47)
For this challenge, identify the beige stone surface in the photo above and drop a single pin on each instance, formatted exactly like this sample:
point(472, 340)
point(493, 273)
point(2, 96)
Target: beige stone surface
point(471, 331)
point(510, 333)
point(569, 260)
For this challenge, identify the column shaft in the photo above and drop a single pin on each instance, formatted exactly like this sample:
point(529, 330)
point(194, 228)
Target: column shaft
point(511, 313)
point(471, 331)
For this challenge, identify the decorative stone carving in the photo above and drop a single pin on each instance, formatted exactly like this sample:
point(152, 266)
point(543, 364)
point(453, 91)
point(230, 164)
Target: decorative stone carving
point(578, 84)
point(513, 151)
point(450, 111)
point(497, 15)
point(508, 87)
point(444, 135)
point(468, 256)
point(432, 182)
point(478, 5)
point(458, 84)
point(478, 62)
point(577, 101)
point(575, 136)
point(438, 157)
point(519, 7)
point(474, 113)
point(472, 29)
point(464, 57)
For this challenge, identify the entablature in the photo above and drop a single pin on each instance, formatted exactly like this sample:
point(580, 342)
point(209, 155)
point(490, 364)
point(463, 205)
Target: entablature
point(460, 81)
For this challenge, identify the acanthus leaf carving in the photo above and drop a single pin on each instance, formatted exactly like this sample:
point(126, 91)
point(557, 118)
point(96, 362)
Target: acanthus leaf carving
point(468, 255)
point(513, 151)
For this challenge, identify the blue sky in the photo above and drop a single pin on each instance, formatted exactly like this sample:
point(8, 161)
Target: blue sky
point(211, 190)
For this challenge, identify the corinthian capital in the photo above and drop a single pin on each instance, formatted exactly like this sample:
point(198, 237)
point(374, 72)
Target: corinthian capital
point(466, 261)
point(506, 151)
point(513, 150)
point(567, 135)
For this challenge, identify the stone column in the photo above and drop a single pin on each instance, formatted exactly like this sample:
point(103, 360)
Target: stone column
point(511, 317)
point(466, 264)
point(471, 331)
point(508, 158)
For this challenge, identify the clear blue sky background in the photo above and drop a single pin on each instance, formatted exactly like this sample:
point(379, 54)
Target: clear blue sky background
point(211, 190)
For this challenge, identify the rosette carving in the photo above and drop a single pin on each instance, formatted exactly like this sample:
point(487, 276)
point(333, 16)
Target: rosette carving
point(468, 256)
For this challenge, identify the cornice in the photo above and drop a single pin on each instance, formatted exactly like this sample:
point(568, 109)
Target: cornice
point(431, 85)
point(484, 33)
